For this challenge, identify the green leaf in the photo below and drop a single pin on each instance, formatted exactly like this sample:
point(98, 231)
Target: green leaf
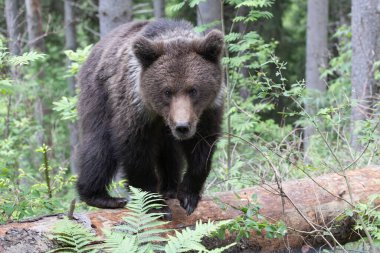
point(177, 7)
point(26, 58)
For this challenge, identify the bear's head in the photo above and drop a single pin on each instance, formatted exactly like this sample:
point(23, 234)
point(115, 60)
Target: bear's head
point(180, 78)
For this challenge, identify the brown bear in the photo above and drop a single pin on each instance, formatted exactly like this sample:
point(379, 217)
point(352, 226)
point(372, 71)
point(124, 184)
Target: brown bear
point(151, 100)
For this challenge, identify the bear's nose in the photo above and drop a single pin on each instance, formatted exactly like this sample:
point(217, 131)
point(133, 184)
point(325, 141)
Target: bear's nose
point(182, 127)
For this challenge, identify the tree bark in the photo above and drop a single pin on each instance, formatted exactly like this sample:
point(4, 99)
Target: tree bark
point(302, 204)
point(316, 58)
point(12, 14)
point(36, 42)
point(113, 13)
point(159, 8)
point(34, 24)
point(365, 24)
point(71, 44)
point(208, 12)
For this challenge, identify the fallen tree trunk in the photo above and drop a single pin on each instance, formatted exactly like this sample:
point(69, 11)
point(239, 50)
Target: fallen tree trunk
point(307, 206)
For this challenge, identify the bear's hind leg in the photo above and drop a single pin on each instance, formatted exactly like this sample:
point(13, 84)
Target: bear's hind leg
point(97, 170)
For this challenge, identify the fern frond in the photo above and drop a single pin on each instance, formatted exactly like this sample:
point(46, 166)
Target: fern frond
point(189, 239)
point(120, 243)
point(73, 237)
point(142, 202)
point(142, 227)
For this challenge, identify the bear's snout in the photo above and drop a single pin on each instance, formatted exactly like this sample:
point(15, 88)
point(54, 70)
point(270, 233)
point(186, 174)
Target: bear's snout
point(183, 130)
point(182, 127)
point(182, 118)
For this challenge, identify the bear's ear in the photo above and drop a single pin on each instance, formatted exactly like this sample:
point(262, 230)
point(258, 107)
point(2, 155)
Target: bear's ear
point(211, 47)
point(147, 51)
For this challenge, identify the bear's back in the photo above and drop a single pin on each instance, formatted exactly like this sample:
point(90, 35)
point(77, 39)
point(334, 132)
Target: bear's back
point(164, 29)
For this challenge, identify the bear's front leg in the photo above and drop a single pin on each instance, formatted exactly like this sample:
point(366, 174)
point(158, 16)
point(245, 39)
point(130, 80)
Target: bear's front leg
point(198, 154)
point(169, 166)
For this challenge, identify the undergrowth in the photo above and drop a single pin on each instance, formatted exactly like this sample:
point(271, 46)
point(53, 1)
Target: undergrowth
point(141, 232)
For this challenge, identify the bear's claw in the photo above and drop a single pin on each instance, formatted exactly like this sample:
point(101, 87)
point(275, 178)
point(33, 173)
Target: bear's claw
point(188, 201)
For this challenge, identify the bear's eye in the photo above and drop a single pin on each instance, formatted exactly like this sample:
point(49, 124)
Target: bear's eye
point(193, 92)
point(168, 93)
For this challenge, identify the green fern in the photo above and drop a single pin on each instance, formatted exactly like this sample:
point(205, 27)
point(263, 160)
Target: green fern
point(141, 228)
point(189, 239)
point(141, 233)
point(120, 243)
point(73, 237)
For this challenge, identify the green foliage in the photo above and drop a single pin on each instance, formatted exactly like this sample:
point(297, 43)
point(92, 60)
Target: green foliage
point(25, 59)
point(253, 221)
point(6, 86)
point(73, 237)
point(31, 198)
point(177, 7)
point(184, 241)
point(252, 3)
point(250, 59)
point(188, 239)
point(140, 233)
point(367, 217)
point(67, 108)
point(205, 27)
point(141, 224)
point(331, 114)
point(77, 58)
point(371, 213)
point(23, 185)
point(181, 4)
point(15, 61)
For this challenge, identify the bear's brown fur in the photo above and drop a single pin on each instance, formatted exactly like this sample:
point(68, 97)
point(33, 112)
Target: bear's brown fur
point(151, 98)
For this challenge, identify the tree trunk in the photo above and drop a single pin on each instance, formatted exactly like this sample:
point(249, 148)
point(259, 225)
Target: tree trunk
point(36, 42)
point(113, 13)
point(159, 8)
point(34, 24)
point(12, 14)
point(309, 207)
point(365, 23)
point(71, 44)
point(208, 12)
point(316, 58)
